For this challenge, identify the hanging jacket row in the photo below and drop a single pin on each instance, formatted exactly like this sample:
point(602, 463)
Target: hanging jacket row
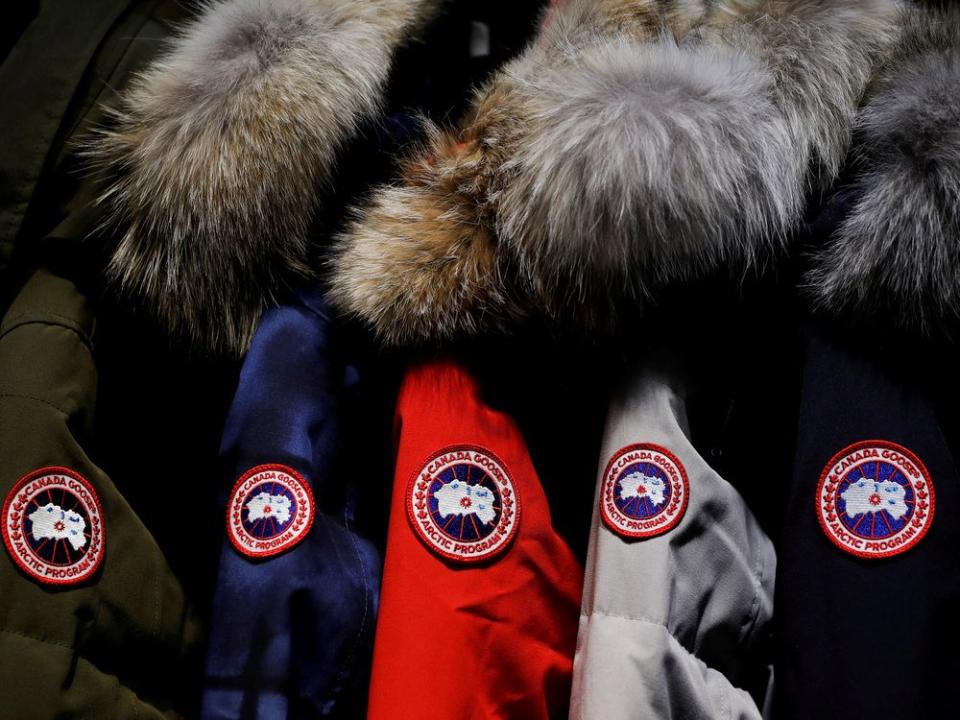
point(630, 395)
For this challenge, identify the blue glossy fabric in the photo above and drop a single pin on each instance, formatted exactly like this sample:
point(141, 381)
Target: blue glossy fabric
point(291, 634)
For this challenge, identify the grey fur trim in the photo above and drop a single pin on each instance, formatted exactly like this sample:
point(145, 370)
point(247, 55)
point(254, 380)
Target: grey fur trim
point(656, 163)
point(896, 256)
point(822, 54)
point(218, 152)
point(424, 262)
point(651, 163)
point(634, 145)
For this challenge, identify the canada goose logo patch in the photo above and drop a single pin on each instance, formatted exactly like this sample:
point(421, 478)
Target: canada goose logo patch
point(53, 526)
point(464, 505)
point(875, 499)
point(271, 510)
point(644, 491)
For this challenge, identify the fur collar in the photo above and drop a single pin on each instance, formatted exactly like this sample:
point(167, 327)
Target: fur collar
point(635, 143)
point(216, 153)
point(896, 255)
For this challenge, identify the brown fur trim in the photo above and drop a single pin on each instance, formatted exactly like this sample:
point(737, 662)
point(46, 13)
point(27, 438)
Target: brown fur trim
point(421, 259)
point(633, 146)
point(217, 155)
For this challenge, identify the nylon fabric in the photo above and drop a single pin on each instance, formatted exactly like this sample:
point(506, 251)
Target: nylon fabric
point(291, 635)
point(671, 624)
point(462, 640)
point(844, 621)
point(119, 644)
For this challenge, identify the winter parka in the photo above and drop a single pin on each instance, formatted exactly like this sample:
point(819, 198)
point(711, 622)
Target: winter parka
point(868, 580)
point(295, 604)
point(632, 179)
point(243, 92)
point(480, 590)
point(94, 620)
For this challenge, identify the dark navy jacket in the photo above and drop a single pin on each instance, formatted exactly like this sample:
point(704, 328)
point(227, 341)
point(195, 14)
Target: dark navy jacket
point(291, 632)
point(868, 583)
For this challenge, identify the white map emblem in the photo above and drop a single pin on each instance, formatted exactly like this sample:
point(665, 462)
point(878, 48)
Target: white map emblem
point(870, 496)
point(53, 526)
point(644, 491)
point(463, 504)
point(457, 498)
point(875, 499)
point(52, 522)
point(271, 510)
point(638, 485)
point(265, 506)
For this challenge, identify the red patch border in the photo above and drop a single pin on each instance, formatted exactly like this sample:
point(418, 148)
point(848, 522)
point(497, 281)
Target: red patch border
point(672, 523)
point(5, 531)
point(514, 527)
point(890, 446)
point(290, 544)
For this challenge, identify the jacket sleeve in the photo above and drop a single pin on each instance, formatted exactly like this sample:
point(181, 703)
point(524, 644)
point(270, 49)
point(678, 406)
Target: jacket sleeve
point(480, 591)
point(679, 584)
point(85, 622)
point(294, 605)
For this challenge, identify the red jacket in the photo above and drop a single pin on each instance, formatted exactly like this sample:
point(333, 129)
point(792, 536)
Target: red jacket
point(481, 596)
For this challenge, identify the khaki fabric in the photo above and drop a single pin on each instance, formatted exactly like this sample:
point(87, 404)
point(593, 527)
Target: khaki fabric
point(111, 647)
point(64, 70)
point(669, 623)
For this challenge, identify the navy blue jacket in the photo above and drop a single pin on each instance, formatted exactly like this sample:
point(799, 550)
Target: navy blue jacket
point(291, 628)
point(868, 583)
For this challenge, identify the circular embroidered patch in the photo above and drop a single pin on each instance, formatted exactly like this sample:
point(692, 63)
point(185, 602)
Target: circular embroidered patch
point(645, 491)
point(53, 526)
point(464, 505)
point(875, 499)
point(271, 509)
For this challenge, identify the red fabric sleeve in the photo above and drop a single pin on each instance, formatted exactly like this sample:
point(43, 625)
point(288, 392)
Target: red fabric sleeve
point(459, 637)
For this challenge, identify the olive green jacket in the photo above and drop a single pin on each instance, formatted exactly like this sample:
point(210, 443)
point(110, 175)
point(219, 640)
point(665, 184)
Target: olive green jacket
point(110, 646)
point(117, 638)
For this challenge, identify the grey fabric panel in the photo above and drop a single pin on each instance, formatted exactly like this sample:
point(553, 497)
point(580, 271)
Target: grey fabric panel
point(648, 675)
point(707, 584)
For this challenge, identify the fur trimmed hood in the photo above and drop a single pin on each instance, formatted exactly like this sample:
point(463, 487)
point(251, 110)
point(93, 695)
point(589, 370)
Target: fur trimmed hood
point(895, 257)
point(633, 144)
point(216, 154)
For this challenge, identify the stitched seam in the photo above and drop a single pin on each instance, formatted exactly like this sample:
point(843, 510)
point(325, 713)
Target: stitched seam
point(27, 636)
point(725, 704)
point(750, 622)
point(357, 642)
point(756, 575)
point(366, 595)
point(39, 317)
point(70, 648)
point(745, 626)
point(660, 625)
point(637, 618)
point(67, 323)
point(725, 707)
point(313, 311)
point(157, 628)
point(20, 396)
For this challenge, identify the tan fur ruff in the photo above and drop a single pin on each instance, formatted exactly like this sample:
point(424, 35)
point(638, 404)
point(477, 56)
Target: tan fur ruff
point(218, 154)
point(633, 145)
